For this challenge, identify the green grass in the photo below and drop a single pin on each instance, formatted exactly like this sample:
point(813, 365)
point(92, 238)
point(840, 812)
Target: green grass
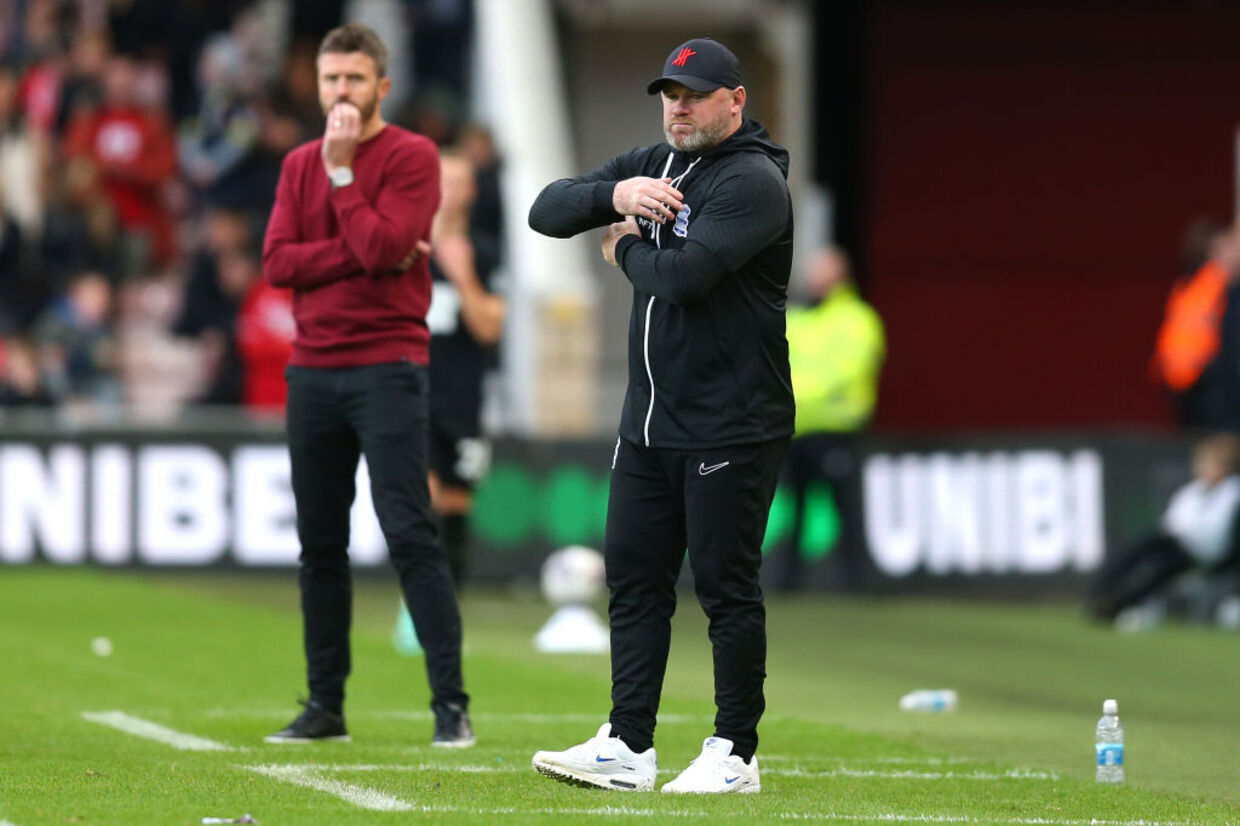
point(218, 656)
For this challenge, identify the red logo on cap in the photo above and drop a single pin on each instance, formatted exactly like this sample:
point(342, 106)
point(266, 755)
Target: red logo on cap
point(684, 56)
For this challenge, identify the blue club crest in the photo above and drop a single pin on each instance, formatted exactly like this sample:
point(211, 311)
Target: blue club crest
point(681, 228)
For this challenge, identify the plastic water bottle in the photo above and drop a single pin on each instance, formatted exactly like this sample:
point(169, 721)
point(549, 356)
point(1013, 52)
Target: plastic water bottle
point(1109, 745)
point(929, 699)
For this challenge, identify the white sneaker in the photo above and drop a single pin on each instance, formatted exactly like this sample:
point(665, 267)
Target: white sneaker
point(602, 761)
point(717, 771)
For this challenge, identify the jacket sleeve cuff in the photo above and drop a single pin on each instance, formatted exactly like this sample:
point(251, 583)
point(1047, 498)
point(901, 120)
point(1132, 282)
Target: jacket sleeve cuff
point(603, 190)
point(624, 245)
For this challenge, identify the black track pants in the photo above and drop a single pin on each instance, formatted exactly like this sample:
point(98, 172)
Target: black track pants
point(714, 502)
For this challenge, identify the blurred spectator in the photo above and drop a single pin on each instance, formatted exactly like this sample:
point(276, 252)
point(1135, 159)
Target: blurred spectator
point(20, 382)
point(212, 300)
point(1198, 530)
point(95, 179)
point(22, 160)
point(81, 84)
point(21, 208)
point(1188, 358)
point(160, 372)
point(80, 231)
point(217, 146)
point(836, 347)
point(433, 113)
point(442, 33)
point(132, 147)
point(20, 293)
point(265, 330)
point(170, 34)
point(292, 114)
point(73, 340)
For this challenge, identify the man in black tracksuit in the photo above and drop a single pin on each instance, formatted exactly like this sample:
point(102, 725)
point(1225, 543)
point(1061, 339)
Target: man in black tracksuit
point(702, 227)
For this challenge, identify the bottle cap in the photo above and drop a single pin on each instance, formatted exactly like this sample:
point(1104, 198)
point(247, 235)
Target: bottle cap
point(1110, 707)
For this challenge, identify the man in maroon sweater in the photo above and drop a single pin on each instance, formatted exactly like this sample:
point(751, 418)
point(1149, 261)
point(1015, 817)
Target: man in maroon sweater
point(348, 233)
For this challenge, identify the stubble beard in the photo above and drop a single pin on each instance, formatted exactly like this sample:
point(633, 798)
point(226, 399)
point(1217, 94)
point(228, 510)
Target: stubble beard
point(704, 137)
point(701, 139)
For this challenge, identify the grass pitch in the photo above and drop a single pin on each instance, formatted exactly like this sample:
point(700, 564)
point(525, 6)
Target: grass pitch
point(167, 729)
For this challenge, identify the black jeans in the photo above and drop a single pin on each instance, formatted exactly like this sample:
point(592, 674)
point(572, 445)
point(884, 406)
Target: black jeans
point(334, 416)
point(714, 502)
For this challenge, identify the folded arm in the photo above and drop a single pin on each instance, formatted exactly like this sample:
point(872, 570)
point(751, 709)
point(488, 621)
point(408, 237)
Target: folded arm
point(573, 205)
point(380, 235)
point(743, 216)
point(288, 261)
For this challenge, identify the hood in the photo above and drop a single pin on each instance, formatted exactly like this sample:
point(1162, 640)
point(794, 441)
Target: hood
point(753, 137)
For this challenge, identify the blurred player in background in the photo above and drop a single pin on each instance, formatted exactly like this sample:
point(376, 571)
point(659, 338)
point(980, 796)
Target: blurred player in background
point(466, 320)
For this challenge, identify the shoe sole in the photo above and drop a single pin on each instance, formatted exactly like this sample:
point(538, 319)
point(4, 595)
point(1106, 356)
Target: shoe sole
point(275, 738)
point(745, 790)
point(572, 778)
point(453, 744)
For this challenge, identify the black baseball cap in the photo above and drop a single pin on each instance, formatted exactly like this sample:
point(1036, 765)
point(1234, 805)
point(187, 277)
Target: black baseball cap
point(702, 64)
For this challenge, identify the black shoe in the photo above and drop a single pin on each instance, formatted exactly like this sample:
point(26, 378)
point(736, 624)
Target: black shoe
point(315, 723)
point(452, 729)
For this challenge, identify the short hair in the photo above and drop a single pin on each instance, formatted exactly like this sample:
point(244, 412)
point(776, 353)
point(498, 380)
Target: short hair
point(355, 37)
point(1223, 448)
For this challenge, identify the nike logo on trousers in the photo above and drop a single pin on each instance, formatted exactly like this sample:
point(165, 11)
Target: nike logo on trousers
point(704, 470)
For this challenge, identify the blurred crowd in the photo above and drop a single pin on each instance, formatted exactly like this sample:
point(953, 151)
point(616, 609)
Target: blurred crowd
point(1197, 350)
point(140, 143)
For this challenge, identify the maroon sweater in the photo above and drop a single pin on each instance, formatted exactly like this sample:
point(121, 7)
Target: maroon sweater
point(338, 249)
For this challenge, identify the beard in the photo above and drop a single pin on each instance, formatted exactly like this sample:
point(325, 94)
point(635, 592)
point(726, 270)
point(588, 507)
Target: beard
point(704, 137)
point(365, 107)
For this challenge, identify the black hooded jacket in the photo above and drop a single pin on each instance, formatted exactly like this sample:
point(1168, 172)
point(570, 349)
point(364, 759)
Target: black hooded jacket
point(708, 358)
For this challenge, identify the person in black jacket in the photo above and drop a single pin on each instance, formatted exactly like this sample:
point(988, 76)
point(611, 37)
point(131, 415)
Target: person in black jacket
point(702, 227)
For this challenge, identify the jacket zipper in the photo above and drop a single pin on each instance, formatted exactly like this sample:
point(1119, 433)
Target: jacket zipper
point(650, 304)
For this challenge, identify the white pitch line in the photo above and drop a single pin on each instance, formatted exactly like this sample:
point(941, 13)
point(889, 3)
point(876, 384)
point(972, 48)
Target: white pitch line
point(6, 823)
point(310, 777)
point(894, 817)
point(905, 774)
point(153, 731)
point(895, 761)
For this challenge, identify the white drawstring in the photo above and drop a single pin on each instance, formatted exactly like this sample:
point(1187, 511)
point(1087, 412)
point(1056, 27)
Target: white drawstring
point(650, 304)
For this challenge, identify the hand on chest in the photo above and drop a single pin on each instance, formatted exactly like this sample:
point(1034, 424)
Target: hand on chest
point(661, 234)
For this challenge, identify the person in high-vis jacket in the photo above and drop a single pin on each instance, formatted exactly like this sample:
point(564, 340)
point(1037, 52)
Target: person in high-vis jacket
point(701, 225)
point(836, 346)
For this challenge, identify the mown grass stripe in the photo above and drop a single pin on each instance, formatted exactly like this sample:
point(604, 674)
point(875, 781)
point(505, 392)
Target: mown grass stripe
point(839, 771)
point(825, 817)
point(491, 716)
point(139, 727)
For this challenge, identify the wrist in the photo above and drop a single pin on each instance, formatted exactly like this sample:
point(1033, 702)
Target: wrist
point(604, 197)
point(622, 245)
point(340, 176)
